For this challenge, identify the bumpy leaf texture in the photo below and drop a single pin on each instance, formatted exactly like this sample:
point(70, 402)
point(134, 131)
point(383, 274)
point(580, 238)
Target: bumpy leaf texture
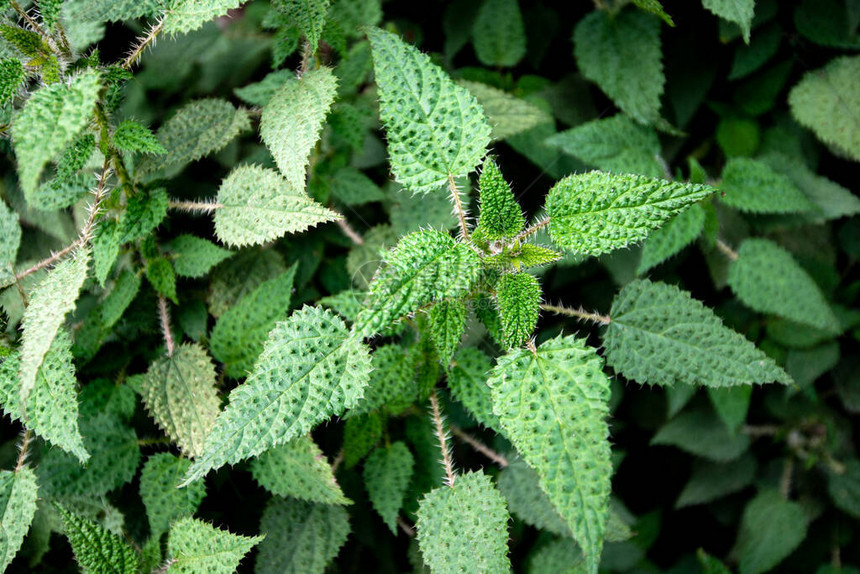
point(97, 550)
point(670, 239)
point(553, 405)
point(307, 15)
point(188, 15)
point(310, 369)
point(519, 484)
point(740, 12)
point(436, 129)
point(508, 115)
point(194, 256)
point(10, 240)
point(387, 472)
point(163, 501)
point(467, 381)
point(498, 33)
point(196, 547)
point(464, 528)
point(594, 213)
point(17, 507)
point(500, 215)
point(753, 187)
point(447, 325)
point(518, 296)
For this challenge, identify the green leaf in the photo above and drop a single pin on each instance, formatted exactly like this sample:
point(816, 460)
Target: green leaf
point(18, 500)
point(52, 408)
point(188, 15)
point(10, 240)
point(352, 187)
point(298, 469)
point(240, 333)
point(594, 213)
point(180, 394)
point(519, 483)
point(393, 386)
point(240, 275)
point(771, 528)
point(306, 15)
point(518, 296)
point(508, 115)
point(500, 214)
point(522, 256)
point(424, 267)
point(711, 481)
point(259, 93)
point(11, 77)
point(731, 405)
point(464, 527)
point(130, 136)
point(159, 273)
point(561, 556)
point(656, 8)
point(711, 565)
point(58, 193)
point(50, 301)
point(76, 156)
point(194, 256)
point(498, 33)
point(387, 472)
point(113, 11)
point(105, 248)
point(436, 129)
point(310, 369)
point(196, 130)
point(50, 120)
point(827, 102)
point(301, 537)
point(164, 502)
point(293, 119)
point(844, 488)
point(701, 432)
point(670, 239)
point(660, 335)
point(738, 11)
point(832, 200)
point(622, 55)
point(447, 325)
point(195, 547)
point(360, 435)
point(467, 381)
point(616, 144)
point(256, 205)
point(753, 187)
point(97, 550)
point(142, 214)
point(768, 279)
point(553, 404)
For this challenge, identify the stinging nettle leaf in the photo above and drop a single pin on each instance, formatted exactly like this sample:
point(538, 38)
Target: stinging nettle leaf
point(738, 11)
point(10, 240)
point(771, 528)
point(195, 546)
point(702, 433)
point(194, 256)
point(132, 137)
point(660, 335)
point(292, 120)
point(97, 550)
point(594, 213)
point(307, 15)
point(51, 119)
point(179, 393)
point(670, 239)
point(500, 214)
point(188, 15)
point(553, 404)
point(387, 472)
point(436, 129)
point(256, 205)
point(519, 484)
point(464, 528)
point(507, 114)
point(753, 187)
point(310, 369)
point(18, 502)
point(447, 325)
point(498, 33)
point(518, 296)
point(164, 502)
point(467, 381)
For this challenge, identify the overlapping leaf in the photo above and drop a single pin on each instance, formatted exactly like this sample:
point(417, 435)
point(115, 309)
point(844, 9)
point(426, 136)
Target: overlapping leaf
point(298, 469)
point(188, 15)
point(164, 502)
point(195, 546)
point(507, 114)
point(97, 550)
point(18, 492)
point(387, 473)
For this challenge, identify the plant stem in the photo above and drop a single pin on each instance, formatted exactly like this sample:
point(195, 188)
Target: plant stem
point(164, 316)
point(726, 250)
point(22, 453)
point(349, 231)
point(761, 430)
point(404, 526)
point(194, 206)
point(480, 447)
point(143, 43)
point(580, 314)
point(785, 481)
point(458, 206)
point(533, 229)
point(443, 440)
point(335, 464)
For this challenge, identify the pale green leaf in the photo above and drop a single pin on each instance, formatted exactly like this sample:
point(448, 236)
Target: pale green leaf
point(561, 556)
point(670, 239)
point(508, 115)
point(105, 248)
point(51, 119)
point(498, 33)
point(131, 136)
point(58, 193)
point(18, 502)
point(393, 386)
point(616, 144)
point(701, 432)
point(711, 481)
point(306, 15)
point(387, 472)
point(827, 101)
point(257, 205)
point(519, 483)
point(241, 275)
point(10, 240)
point(188, 15)
point(259, 93)
point(464, 528)
point(424, 267)
point(467, 381)
point(656, 8)
point(194, 256)
point(196, 547)
point(240, 333)
point(97, 550)
point(771, 528)
point(553, 404)
point(844, 487)
point(310, 369)
point(738, 11)
point(832, 200)
point(360, 435)
point(292, 121)
point(447, 325)
point(352, 187)
point(435, 128)
point(622, 54)
point(753, 187)
point(50, 301)
point(768, 279)
point(596, 212)
point(301, 537)
point(298, 469)
point(660, 335)
point(180, 394)
point(113, 11)
point(163, 501)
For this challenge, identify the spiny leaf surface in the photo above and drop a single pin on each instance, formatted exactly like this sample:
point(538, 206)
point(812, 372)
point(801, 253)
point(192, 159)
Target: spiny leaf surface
point(387, 472)
point(518, 296)
point(467, 381)
point(18, 492)
point(197, 547)
point(188, 15)
point(97, 550)
point(10, 240)
point(163, 501)
point(194, 256)
point(501, 215)
point(307, 15)
point(753, 187)
point(447, 325)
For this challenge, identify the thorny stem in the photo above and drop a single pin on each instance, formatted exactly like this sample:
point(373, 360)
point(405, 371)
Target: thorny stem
point(22, 453)
point(194, 206)
point(143, 43)
point(580, 314)
point(726, 250)
point(349, 231)
point(33, 24)
point(404, 526)
point(480, 447)
point(443, 440)
point(533, 229)
point(785, 481)
point(164, 316)
point(458, 206)
point(335, 464)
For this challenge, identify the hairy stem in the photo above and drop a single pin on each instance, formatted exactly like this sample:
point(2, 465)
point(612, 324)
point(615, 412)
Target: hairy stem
point(785, 480)
point(580, 314)
point(142, 44)
point(164, 316)
point(533, 229)
point(458, 206)
point(22, 452)
point(480, 447)
point(404, 526)
point(349, 231)
point(443, 440)
point(338, 459)
point(194, 206)
point(726, 250)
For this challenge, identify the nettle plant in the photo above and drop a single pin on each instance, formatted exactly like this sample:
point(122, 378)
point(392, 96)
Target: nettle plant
point(212, 352)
